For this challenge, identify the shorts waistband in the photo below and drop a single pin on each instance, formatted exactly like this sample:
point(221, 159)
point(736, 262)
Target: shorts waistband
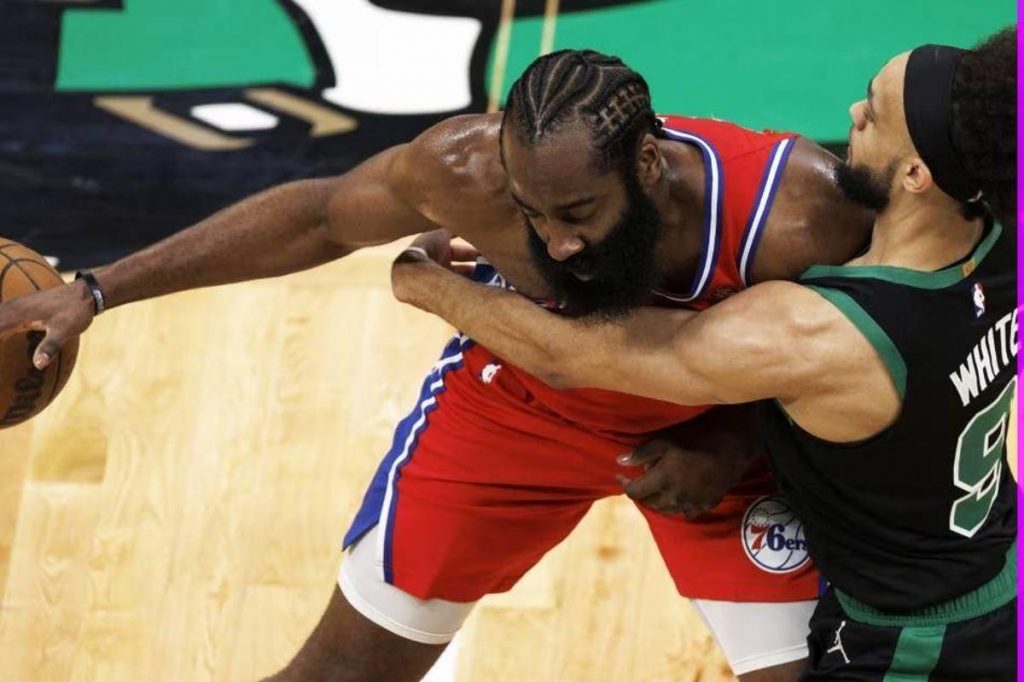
point(997, 592)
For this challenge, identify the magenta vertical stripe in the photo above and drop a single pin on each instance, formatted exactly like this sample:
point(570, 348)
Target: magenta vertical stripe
point(1020, 362)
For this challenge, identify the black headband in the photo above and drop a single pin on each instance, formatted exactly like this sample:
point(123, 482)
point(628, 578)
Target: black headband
point(928, 104)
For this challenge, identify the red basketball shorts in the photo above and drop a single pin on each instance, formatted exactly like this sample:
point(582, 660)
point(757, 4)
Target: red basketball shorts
point(481, 481)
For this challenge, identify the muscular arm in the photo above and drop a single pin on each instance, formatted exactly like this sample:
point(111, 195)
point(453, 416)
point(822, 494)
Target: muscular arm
point(282, 230)
point(285, 229)
point(762, 343)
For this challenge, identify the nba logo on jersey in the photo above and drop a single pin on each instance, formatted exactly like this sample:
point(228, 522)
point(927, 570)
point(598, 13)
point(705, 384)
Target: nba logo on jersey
point(773, 537)
point(978, 296)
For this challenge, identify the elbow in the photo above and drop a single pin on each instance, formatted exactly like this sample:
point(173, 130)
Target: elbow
point(333, 242)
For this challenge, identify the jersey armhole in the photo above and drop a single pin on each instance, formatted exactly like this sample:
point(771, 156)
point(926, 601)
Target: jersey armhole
point(875, 335)
point(762, 207)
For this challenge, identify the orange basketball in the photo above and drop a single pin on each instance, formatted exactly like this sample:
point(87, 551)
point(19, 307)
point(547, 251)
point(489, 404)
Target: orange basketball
point(24, 390)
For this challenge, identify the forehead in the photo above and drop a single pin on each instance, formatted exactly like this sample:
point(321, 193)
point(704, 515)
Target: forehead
point(887, 86)
point(558, 164)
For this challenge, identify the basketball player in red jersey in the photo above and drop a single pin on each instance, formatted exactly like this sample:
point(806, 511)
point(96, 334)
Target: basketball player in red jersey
point(492, 468)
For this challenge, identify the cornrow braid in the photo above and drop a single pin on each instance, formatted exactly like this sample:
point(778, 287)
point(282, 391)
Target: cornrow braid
point(583, 85)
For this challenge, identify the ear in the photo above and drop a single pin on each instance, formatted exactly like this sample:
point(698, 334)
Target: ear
point(917, 177)
point(648, 162)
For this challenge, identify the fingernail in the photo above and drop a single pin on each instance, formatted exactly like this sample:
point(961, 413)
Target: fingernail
point(41, 360)
point(623, 458)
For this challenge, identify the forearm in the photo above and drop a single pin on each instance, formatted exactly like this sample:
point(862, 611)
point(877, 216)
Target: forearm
point(276, 232)
point(654, 353)
point(634, 355)
point(511, 326)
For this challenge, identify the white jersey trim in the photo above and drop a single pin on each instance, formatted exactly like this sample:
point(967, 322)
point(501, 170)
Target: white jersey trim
point(712, 238)
point(764, 203)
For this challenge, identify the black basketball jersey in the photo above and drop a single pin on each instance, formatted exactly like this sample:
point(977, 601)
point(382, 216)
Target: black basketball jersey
point(925, 510)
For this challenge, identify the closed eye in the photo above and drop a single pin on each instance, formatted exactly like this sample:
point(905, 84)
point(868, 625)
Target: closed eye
point(579, 219)
point(527, 221)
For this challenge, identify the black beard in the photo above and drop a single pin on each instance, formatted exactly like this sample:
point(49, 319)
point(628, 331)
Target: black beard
point(623, 264)
point(864, 186)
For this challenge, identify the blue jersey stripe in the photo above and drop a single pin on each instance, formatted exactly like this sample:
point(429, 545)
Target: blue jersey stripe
point(711, 239)
point(382, 490)
point(762, 208)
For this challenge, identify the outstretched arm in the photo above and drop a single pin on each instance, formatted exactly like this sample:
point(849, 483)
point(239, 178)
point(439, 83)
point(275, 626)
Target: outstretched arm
point(285, 229)
point(755, 345)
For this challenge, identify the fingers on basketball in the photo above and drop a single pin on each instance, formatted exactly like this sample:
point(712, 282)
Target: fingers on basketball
point(26, 390)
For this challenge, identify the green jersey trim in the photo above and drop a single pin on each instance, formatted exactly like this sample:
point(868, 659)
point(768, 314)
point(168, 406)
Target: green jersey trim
point(939, 279)
point(867, 326)
point(917, 653)
point(997, 592)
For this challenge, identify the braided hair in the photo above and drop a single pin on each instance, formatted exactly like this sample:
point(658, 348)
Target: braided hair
point(570, 86)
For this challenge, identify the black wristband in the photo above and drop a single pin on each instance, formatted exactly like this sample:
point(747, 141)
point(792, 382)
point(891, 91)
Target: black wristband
point(94, 289)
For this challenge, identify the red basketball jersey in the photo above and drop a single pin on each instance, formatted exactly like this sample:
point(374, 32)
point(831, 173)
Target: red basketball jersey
point(742, 171)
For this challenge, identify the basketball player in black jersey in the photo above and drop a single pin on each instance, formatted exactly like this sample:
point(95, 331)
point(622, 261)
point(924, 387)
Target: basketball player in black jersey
point(891, 377)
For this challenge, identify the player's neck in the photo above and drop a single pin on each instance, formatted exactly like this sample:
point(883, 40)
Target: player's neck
point(679, 198)
point(924, 238)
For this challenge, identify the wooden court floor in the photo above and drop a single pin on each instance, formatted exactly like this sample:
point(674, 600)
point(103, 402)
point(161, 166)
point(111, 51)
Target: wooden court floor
point(176, 514)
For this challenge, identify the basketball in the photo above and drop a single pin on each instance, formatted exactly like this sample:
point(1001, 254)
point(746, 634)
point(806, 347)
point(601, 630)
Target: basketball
point(24, 390)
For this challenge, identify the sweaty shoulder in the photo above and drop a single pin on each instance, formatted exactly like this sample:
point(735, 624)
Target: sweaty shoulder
point(452, 171)
point(811, 222)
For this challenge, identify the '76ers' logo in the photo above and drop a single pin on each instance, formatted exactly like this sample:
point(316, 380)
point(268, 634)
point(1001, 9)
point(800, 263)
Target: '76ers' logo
point(773, 536)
